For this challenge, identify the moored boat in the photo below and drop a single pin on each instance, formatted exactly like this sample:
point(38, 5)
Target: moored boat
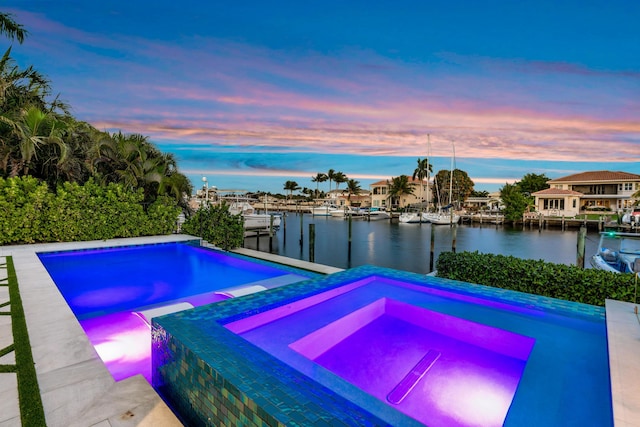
point(253, 220)
point(617, 252)
point(324, 209)
point(375, 214)
point(411, 218)
point(441, 218)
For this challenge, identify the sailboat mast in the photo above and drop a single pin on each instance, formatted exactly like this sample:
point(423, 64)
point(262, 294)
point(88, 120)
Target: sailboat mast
point(428, 154)
point(451, 176)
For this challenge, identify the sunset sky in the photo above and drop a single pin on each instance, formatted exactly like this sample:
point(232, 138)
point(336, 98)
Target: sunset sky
point(251, 94)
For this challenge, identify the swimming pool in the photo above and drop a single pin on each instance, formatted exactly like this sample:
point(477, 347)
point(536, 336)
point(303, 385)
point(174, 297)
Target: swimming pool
point(113, 292)
point(378, 346)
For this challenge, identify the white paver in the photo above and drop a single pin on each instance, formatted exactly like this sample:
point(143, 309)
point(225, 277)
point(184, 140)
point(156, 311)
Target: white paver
point(623, 335)
point(9, 407)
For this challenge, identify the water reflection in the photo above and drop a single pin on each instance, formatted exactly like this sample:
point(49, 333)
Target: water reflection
point(407, 246)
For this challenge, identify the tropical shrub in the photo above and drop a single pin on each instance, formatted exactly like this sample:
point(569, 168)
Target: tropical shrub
point(560, 281)
point(215, 224)
point(31, 213)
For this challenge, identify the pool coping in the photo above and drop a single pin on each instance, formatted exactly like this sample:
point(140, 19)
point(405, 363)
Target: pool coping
point(77, 389)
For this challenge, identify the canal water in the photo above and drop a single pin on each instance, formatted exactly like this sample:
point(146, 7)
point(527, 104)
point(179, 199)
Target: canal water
point(407, 246)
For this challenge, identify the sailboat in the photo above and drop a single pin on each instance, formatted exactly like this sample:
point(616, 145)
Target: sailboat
point(417, 216)
point(445, 214)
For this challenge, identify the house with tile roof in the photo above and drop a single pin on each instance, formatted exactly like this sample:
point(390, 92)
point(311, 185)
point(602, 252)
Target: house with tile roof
point(596, 191)
point(380, 194)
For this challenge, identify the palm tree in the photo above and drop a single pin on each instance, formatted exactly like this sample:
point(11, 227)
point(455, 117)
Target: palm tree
point(11, 28)
point(339, 178)
point(353, 187)
point(421, 172)
point(320, 177)
point(331, 174)
point(30, 130)
point(400, 186)
point(291, 186)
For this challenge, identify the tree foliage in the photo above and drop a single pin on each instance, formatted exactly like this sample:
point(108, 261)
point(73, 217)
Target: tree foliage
point(40, 139)
point(320, 177)
point(353, 188)
point(515, 203)
point(517, 198)
point(461, 187)
point(217, 225)
point(10, 28)
point(531, 182)
point(400, 186)
point(291, 186)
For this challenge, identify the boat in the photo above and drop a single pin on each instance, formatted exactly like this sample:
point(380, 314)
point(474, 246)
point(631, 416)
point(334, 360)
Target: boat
point(442, 217)
point(617, 252)
point(375, 214)
point(411, 217)
point(253, 220)
point(632, 217)
point(324, 209)
point(344, 211)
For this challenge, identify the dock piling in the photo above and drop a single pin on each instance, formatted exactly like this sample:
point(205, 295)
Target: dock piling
point(431, 251)
point(582, 234)
point(312, 242)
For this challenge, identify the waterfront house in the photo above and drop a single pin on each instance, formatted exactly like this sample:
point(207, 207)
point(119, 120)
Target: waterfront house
point(588, 192)
point(491, 202)
point(341, 198)
point(380, 194)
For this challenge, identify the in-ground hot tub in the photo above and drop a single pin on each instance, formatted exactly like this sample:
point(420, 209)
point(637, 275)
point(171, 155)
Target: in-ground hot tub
point(379, 346)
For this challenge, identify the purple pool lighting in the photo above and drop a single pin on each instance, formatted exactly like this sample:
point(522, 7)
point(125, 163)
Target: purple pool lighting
point(437, 368)
point(412, 357)
point(108, 289)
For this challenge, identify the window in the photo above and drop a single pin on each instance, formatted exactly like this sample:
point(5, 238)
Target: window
point(628, 186)
point(554, 204)
point(575, 203)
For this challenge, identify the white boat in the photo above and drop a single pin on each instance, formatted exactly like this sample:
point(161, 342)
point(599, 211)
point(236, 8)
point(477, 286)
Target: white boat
point(324, 210)
point(617, 252)
point(632, 217)
point(253, 220)
point(444, 215)
point(411, 218)
point(375, 214)
point(440, 218)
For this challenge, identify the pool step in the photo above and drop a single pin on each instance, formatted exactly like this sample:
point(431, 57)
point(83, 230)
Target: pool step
point(409, 382)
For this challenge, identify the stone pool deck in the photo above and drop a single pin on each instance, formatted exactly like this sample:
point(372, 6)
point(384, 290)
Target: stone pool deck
point(77, 389)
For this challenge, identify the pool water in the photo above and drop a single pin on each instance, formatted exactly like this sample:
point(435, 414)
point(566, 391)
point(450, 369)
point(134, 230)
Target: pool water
point(103, 281)
point(109, 289)
point(443, 358)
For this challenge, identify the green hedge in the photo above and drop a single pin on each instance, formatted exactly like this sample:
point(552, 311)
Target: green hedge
point(215, 224)
point(31, 213)
point(560, 281)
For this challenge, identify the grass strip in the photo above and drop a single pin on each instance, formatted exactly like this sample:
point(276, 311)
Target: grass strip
point(31, 410)
point(4, 304)
point(8, 349)
point(7, 369)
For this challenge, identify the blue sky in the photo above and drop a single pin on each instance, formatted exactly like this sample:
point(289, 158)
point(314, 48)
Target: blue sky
point(252, 94)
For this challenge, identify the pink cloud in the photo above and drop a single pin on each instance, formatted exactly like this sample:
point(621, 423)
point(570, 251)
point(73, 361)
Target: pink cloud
point(350, 102)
